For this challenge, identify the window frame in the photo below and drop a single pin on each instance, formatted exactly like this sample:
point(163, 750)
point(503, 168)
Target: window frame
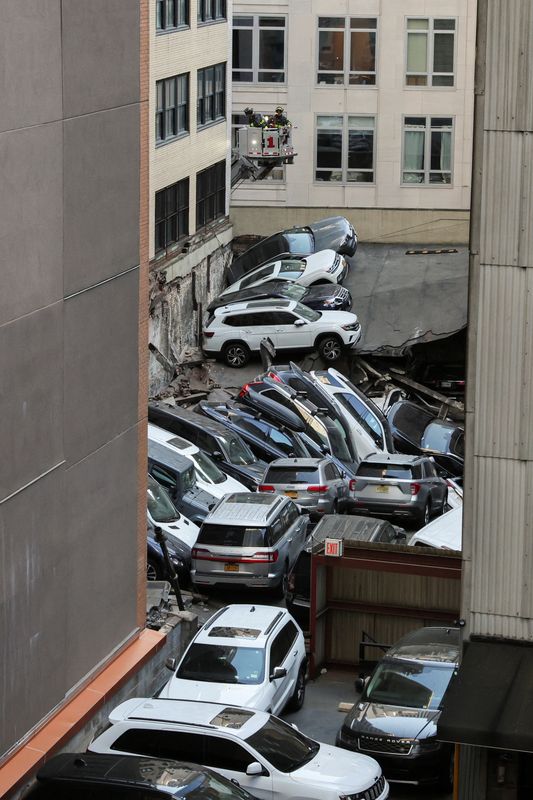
point(171, 245)
point(344, 168)
point(426, 183)
point(202, 121)
point(256, 28)
point(347, 51)
point(161, 113)
point(430, 53)
point(177, 24)
point(222, 166)
point(202, 17)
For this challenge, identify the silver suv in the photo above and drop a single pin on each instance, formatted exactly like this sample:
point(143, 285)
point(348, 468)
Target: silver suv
point(400, 486)
point(316, 484)
point(249, 539)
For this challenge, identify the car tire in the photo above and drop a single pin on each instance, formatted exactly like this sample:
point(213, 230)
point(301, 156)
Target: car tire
point(330, 348)
point(335, 507)
point(236, 354)
point(152, 570)
point(298, 696)
point(281, 589)
point(425, 516)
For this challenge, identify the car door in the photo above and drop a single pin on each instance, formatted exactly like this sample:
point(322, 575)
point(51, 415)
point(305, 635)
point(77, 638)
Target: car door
point(291, 332)
point(438, 488)
point(292, 537)
point(257, 326)
point(338, 483)
point(284, 653)
point(231, 759)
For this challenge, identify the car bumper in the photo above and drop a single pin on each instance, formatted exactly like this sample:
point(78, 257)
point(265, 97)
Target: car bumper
point(342, 274)
point(353, 338)
point(234, 579)
point(408, 510)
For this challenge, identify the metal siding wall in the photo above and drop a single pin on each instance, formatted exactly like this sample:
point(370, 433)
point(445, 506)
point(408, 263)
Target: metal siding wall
point(394, 589)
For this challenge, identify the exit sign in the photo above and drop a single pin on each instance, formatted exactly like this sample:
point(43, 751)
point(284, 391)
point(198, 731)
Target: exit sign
point(333, 547)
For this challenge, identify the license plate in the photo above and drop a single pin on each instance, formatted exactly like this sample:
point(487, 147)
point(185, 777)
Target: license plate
point(382, 489)
point(231, 567)
point(292, 494)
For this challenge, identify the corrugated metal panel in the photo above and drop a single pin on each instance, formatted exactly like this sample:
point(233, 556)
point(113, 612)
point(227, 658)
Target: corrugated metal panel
point(501, 595)
point(472, 772)
point(499, 389)
point(507, 227)
point(394, 589)
point(509, 65)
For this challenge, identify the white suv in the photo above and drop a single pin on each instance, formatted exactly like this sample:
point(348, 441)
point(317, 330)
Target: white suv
point(246, 655)
point(265, 755)
point(235, 330)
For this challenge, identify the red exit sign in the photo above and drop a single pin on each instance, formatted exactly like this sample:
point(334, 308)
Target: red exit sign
point(333, 547)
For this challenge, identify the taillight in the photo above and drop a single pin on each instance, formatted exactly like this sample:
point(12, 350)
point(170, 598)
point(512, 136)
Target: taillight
point(209, 334)
point(274, 377)
point(263, 558)
point(263, 487)
point(245, 389)
point(200, 552)
point(415, 488)
point(353, 484)
point(319, 489)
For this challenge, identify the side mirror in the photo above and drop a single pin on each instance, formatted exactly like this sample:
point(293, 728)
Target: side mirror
point(300, 322)
point(171, 664)
point(279, 672)
point(217, 454)
point(360, 683)
point(254, 768)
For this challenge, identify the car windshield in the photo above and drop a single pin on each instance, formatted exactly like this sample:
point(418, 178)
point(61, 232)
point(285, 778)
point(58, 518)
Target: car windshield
point(307, 313)
point(207, 469)
point(237, 452)
point(300, 241)
point(231, 535)
point(440, 437)
point(292, 475)
point(223, 664)
point(367, 470)
point(363, 415)
point(283, 746)
point(293, 291)
point(408, 684)
point(257, 275)
point(209, 786)
point(160, 506)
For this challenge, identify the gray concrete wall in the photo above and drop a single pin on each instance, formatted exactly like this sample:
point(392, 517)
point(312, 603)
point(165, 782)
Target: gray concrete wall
point(69, 244)
point(406, 226)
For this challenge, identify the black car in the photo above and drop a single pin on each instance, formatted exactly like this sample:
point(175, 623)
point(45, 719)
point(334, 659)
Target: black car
point(225, 447)
point(86, 776)
point(156, 568)
point(395, 720)
point(417, 430)
point(176, 474)
point(326, 297)
point(267, 439)
point(331, 233)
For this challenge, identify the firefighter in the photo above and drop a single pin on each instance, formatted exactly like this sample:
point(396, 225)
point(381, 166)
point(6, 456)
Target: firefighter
point(254, 120)
point(279, 120)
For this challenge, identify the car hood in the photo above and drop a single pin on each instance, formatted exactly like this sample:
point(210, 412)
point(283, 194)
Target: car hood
point(325, 291)
point(210, 692)
point(337, 318)
point(330, 232)
point(320, 260)
point(375, 719)
point(332, 766)
point(254, 471)
point(181, 531)
point(220, 489)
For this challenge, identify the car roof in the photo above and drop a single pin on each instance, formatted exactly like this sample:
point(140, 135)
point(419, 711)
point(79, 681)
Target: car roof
point(191, 417)
point(244, 507)
point(167, 437)
point(444, 531)
point(166, 775)
point(429, 644)
point(251, 305)
point(297, 463)
point(168, 456)
point(240, 722)
point(248, 623)
point(350, 528)
point(392, 458)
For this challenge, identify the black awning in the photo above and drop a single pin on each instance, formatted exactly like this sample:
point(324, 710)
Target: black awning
point(490, 703)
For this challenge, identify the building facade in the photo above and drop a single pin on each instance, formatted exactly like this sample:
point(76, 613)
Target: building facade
point(380, 94)
point(188, 140)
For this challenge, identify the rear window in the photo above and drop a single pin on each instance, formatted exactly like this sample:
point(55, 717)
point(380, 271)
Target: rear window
point(291, 475)
point(232, 535)
point(400, 471)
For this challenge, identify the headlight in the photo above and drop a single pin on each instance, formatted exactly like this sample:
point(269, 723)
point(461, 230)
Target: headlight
point(372, 791)
point(354, 326)
point(425, 746)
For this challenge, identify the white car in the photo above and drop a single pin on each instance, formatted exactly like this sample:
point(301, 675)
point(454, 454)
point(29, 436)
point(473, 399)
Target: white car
point(326, 266)
point(245, 655)
point(266, 756)
point(357, 409)
point(236, 330)
point(208, 476)
point(444, 533)
point(161, 511)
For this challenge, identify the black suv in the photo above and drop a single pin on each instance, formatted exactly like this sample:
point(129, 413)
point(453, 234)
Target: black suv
point(395, 720)
point(326, 297)
point(331, 233)
point(87, 776)
point(225, 447)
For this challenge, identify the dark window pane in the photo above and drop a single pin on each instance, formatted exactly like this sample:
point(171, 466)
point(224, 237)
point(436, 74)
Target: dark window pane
point(242, 49)
point(171, 214)
point(360, 149)
point(331, 22)
point(271, 22)
point(443, 80)
point(443, 52)
point(363, 22)
point(329, 149)
point(331, 50)
point(363, 52)
point(243, 21)
point(444, 24)
point(271, 49)
point(271, 77)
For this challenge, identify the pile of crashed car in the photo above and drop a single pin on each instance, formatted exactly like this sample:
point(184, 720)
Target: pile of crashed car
point(242, 488)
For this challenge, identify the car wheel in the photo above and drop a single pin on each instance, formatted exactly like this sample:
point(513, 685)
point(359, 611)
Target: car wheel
point(152, 571)
point(236, 354)
point(298, 696)
point(330, 348)
point(444, 503)
point(282, 588)
point(426, 514)
point(335, 507)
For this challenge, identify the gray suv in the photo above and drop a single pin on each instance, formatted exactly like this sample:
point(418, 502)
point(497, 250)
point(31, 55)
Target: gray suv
point(400, 486)
point(251, 540)
point(316, 484)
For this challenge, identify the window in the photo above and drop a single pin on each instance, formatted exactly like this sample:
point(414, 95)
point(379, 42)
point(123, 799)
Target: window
point(345, 149)
point(259, 49)
point(347, 51)
point(171, 14)
point(427, 150)
point(162, 744)
point(164, 477)
point(172, 111)
point(211, 94)
point(237, 121)
point(225, 754)
point(211, 10)
point(281, 645)
point(430, 52)
point(171, 215)
point(210, 194)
